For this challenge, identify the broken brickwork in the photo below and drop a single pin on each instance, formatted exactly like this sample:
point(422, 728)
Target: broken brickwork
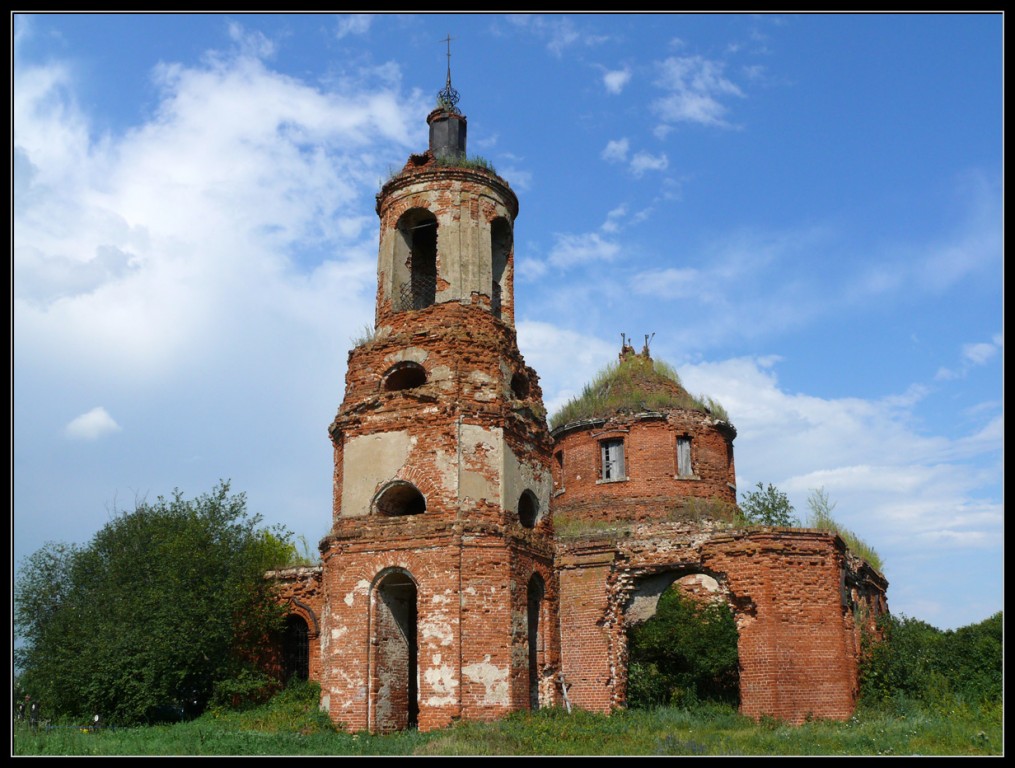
point(477, 564)
point(796, 617)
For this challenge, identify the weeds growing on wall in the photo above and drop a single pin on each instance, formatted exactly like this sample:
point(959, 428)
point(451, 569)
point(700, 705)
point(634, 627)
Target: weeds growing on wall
point(821, 519)
point(620, 388)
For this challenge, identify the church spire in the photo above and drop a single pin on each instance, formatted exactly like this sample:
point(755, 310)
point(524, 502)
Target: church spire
point(447, 99)
point(447, 123)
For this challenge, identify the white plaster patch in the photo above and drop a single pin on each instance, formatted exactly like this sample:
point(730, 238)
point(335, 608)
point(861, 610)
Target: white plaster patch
point(442, 683)
point(447, 465)
point(415, 354)
point(368, 462)
point(442, 374)
point(438, 628)
point(337, 632)
point(492, 678)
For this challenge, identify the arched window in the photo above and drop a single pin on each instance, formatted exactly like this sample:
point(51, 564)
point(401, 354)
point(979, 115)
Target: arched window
point(398, 499)
point(500, 249)
point(296, 648)
point(528, 509)
point(416, 260)
point(404, 375)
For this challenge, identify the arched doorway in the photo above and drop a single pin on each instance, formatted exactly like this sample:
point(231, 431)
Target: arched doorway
point(295, 648)
point(394, 681)
point(682, 642)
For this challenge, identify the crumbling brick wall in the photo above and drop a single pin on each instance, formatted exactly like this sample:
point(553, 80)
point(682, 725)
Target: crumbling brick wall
point(300, 592)
point(787, 587)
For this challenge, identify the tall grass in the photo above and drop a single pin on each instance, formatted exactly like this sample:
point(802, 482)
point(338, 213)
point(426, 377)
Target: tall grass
point(821, 519)
point(704, 730)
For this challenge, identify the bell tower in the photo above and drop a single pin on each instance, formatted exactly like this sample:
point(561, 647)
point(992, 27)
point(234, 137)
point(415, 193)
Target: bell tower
point(438, 570)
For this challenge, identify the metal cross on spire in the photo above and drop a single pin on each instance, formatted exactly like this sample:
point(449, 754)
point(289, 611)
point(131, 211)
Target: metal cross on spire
point(448, 98)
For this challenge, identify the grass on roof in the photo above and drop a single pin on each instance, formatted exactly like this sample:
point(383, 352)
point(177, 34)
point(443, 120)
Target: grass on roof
point(621, 388)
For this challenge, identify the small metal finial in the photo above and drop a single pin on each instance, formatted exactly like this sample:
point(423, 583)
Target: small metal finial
point(448, 98)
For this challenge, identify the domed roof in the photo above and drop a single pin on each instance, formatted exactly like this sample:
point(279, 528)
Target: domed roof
point(634, 384)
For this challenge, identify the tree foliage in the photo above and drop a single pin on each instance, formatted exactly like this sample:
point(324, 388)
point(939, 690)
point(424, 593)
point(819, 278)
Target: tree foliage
point(910, 659)
point(685, 653)
point(164, 604)
point(768, 506)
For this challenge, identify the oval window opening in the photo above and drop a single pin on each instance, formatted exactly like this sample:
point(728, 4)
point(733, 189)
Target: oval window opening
point(400, 499)
point(405, 375)
point(528, 509)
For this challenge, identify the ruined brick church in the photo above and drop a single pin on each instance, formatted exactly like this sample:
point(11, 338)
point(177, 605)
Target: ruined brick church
point(479, 563)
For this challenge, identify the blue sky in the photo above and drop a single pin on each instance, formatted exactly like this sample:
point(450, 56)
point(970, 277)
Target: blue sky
point(806, 211)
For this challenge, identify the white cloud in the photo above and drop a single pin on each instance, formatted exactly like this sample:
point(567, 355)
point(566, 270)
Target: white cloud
point(566, 360)
point(890, 482)
point(616, 150)
point(613, 219)
point(136, 252)
point(695, 88)
point(643, 161)
point(569, 250)
point(92, 425)
point(673, 282)
point(978, 353)
point(560, 33)
point(614, 80)
point(974, 354)
point(251, 43)
point(353, 24)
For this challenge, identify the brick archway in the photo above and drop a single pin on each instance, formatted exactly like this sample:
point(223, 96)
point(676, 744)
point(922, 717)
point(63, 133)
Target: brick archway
point(394, 650)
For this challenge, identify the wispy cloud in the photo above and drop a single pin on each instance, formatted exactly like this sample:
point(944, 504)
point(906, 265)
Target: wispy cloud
point(643, 161)
point(569, 250)
point(695, 90)
point(972, 355)
point(353, 24)
point(614, 80)
point(559, 33)
point(92, 425)
point(615, 150)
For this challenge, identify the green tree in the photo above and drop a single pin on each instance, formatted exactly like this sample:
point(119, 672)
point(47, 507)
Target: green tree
point(685, 653)
point(910, 659)
point(166, 603)
point(768, 506)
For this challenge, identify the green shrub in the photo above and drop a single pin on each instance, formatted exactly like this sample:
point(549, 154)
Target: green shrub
point(767, 506)
point(685, 654)
point(914, 661)
point(140, 625)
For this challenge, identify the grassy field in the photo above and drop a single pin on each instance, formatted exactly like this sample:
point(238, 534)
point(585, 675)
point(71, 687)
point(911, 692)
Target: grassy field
point(291, 725)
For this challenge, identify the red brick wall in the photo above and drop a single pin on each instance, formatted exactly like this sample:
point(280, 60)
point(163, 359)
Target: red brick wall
point(798, 640)
point(652, 489)
point(471, 603)
point(300, 591)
